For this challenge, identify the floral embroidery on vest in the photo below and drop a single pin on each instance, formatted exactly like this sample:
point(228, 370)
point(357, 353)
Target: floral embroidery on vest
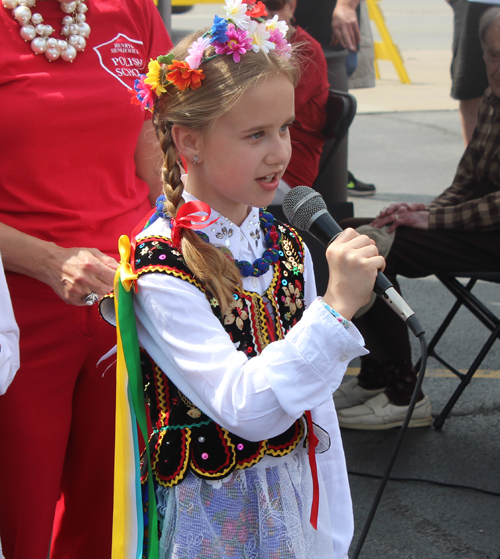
point(185, 438)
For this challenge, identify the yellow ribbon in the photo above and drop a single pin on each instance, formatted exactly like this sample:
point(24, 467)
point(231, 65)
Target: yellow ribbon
point(124, 273)
point(125, 521)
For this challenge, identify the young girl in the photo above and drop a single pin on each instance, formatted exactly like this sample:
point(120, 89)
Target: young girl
point(237, 347)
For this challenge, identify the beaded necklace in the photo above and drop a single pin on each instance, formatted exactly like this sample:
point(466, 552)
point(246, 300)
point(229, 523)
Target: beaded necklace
point(271, 236)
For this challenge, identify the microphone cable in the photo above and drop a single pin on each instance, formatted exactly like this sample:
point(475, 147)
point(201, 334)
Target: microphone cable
point(305, 209)
point(399, 440)
point(430, 481)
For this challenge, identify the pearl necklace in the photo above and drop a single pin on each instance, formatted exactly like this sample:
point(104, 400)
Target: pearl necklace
point(73, 27)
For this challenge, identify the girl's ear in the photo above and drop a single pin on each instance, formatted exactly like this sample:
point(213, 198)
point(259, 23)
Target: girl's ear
point(187, 142)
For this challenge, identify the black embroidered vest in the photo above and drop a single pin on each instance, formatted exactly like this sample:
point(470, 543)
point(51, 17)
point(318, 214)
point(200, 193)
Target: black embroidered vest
point(184, 438)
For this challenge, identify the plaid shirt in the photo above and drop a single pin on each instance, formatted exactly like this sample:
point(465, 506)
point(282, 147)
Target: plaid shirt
point(456, 208)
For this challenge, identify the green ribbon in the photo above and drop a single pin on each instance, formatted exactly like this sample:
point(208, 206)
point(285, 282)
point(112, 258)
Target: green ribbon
point(130, 341)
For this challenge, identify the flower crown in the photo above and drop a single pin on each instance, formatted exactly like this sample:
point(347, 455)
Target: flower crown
point(244, 28)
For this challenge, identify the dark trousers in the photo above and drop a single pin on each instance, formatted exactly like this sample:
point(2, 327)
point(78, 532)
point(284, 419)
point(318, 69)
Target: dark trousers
point(417, 253)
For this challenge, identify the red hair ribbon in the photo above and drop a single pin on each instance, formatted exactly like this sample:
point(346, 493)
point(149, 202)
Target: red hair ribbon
point(313, 442)
point(186, 218)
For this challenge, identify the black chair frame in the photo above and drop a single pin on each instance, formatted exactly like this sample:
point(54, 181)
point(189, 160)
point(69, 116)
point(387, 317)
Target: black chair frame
point(340, 112)
point(464, 297)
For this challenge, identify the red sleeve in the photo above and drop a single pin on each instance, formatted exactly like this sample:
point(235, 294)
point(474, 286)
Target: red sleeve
point(159, 40)
point(311, 95)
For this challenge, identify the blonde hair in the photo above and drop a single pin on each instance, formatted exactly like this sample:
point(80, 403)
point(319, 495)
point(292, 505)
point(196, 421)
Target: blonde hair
point(224, 84)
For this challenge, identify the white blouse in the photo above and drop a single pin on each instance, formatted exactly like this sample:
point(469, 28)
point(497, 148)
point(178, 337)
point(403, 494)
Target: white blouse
point(9, 337)
point(261, 397)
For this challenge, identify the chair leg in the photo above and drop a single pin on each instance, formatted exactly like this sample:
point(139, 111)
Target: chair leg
point(439, 421)
point(470, 301)
point(483, 314)
point(439, 333)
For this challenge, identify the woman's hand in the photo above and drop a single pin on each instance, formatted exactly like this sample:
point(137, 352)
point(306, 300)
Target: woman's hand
point(410, 215)
point(353, 262)
point(73, 273)
point(76, 272)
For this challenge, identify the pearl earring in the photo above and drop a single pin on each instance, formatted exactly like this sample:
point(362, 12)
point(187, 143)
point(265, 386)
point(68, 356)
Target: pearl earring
point(195, 159)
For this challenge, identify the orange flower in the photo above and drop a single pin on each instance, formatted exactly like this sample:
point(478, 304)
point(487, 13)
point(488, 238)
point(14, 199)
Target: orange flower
point(183, 76)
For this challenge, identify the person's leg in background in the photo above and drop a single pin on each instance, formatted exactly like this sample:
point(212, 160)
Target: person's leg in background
point(468, 117)
point(468, 71)
point(83, 519)
point(360, 73)
point(36, 418)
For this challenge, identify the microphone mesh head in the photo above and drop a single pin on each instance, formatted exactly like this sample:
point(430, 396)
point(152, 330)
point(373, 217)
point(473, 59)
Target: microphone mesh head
point(300, 204)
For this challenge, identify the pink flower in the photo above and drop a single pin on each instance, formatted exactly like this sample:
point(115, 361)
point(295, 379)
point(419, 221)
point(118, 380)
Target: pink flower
point(196, 52)
point(282, 47)
point(228, 529)
point(144, 93)
point(242, 534)
point(238, 43)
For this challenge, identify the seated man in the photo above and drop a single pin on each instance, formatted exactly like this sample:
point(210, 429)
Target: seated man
point(459, 230)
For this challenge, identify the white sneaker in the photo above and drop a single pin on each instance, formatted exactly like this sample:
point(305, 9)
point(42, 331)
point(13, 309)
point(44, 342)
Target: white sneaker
point(350, 394)
point(378, 413)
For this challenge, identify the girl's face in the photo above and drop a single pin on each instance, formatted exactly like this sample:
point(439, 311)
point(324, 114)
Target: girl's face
point(243, 157)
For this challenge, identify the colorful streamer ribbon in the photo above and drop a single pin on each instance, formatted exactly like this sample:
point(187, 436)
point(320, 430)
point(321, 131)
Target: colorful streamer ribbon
point(128, 528)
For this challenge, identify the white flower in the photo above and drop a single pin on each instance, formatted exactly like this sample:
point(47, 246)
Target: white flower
point(260, 36)
point(236, 11)
point(276, 23)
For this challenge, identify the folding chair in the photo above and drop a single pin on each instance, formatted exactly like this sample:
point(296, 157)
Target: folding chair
point(464, 297)
point(340, 112)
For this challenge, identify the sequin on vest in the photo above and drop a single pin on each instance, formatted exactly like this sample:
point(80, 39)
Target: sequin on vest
point(184, 438)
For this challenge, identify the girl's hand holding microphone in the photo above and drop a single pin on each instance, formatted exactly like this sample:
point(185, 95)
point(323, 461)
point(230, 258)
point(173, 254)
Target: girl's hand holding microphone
point(354, 263)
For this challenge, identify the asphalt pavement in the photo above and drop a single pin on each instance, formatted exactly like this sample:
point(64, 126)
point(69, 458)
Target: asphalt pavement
point(406, 139)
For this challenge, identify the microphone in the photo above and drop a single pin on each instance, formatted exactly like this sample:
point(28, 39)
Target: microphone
point(305, 209)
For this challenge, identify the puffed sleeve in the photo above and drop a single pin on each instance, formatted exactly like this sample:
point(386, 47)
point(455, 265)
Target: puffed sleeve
point(9, 336)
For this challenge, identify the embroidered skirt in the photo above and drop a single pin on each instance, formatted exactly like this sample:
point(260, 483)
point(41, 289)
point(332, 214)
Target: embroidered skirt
point(261, 512)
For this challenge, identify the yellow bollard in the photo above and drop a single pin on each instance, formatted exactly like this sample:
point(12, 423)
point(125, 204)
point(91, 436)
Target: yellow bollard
point(385, 49)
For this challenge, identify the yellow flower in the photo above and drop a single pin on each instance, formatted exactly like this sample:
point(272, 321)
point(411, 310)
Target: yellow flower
point(154, 77)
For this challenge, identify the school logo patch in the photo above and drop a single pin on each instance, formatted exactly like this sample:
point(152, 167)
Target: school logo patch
point(123, 58)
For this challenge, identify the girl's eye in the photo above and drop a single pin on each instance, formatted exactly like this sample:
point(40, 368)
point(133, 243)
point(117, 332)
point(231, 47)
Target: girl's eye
point(285, 127)
point(257, 135)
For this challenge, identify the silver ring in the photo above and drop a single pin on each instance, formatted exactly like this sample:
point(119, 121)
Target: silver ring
point(91, 298)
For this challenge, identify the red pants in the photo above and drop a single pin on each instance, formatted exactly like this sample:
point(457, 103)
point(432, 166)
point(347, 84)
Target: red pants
point(57, 431)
